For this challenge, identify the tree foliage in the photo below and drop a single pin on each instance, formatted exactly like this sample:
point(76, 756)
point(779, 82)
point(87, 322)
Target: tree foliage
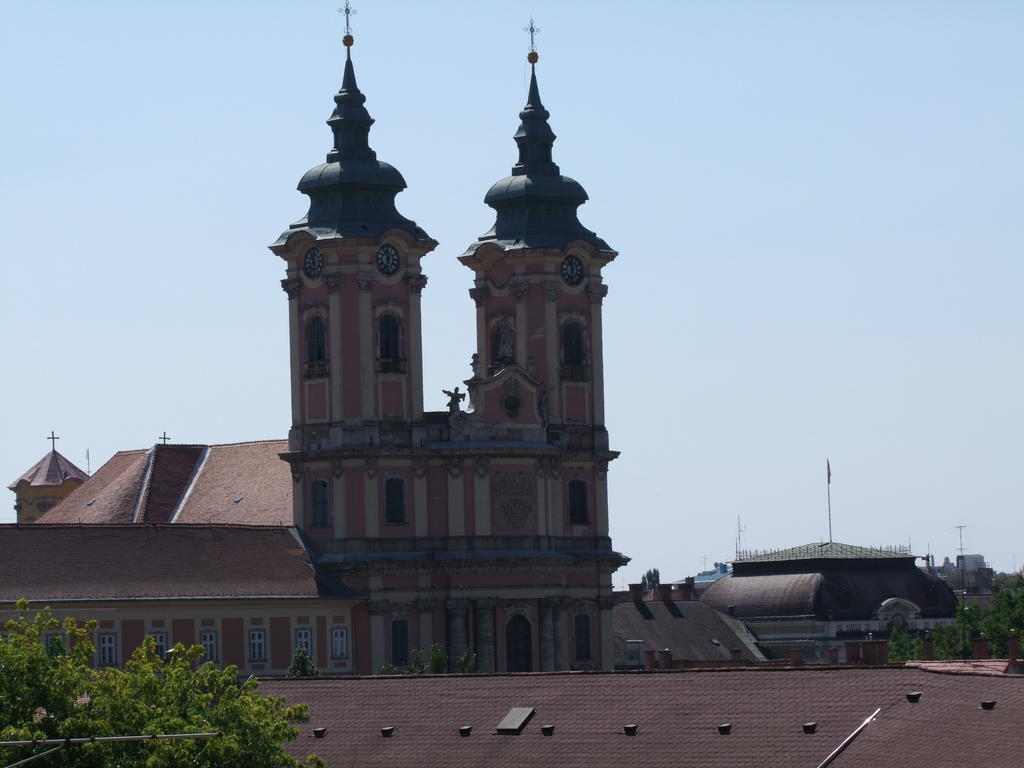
point(302, 665)
point(650, 580)
point(53, 692)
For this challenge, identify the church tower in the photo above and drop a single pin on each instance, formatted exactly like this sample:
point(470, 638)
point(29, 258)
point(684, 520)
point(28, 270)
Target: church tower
point(353, 283)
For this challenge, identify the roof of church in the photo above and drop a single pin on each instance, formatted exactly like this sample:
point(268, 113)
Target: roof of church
point(677, 715)
point(353, 193)
point(236, 483)
point(536, 205)
point(52, 469)
point(125, 562)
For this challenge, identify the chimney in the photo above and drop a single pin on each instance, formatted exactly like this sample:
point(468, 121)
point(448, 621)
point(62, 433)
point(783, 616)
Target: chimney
point(666, 592)
point(927, 648)
point(981, 647)
point(854, 653)
point(833, 656)
point(1013, 646)
point(665, 658)
point(795, 657)
point(689, 591)
point(650, 659)
point(636, 592)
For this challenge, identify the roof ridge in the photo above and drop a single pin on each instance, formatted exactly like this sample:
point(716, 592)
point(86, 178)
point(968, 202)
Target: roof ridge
point(139, 526)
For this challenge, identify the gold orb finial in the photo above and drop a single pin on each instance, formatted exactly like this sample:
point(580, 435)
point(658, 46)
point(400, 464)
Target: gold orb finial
point(347, 41)
point(532, 57)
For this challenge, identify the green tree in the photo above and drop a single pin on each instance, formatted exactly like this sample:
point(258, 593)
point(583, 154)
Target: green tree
point(415, 665)
point(650, 580)
point(903, 645)
point(954, 640)
point(467, 662)
point(1005, 615)
point(54, 693)
point(438, 660)
point(302, 665)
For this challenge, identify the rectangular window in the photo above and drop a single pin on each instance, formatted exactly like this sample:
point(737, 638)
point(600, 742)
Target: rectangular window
point(257, 645)
point(321, 502)
point(394, 500)
point(304, 640)
point(581, 630)
point(399, 642)
point(339, 643)
point(55, 644)
point(160, 641)
point(577, 502)
point(107, 649)
point(208, 639)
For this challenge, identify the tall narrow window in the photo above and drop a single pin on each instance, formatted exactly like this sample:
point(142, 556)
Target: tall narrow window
point(578, 502)
point(389, 338)
point(304, 640)
point(320, 503)
point(160, 642)
point(108, 650)
point(257, 645)
point(399, 642)
point(394, 500)
point(208, 639)
point(339, 643)
point(581, 632)
point(316, 340)
point(572, 344)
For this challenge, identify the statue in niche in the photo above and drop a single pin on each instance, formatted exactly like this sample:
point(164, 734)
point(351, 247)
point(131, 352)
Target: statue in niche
point(474, 364)
point(454, 398)
point(531, 367)
point(506, 339)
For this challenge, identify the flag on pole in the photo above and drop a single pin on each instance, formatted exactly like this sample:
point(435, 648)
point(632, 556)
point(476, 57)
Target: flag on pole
point(828, 473)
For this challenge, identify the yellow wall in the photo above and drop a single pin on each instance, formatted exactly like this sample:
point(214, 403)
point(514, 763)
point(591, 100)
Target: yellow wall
point(33, 501)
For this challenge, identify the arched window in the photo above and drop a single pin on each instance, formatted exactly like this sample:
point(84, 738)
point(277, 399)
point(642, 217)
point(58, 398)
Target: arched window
point(394, 500)
point(320, 504)
point(519, 644)
point(581, 633)
point(399, 642)
point(572, 344)
point(316, 341)
point(578, 502)
point(389, 344)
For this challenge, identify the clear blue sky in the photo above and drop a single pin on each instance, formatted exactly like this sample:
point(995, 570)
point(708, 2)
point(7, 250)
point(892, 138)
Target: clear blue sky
point(818, 208)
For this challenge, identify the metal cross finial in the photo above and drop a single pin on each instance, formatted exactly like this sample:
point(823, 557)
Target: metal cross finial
point(164, 438)
point(53, 440)
point(533, 29)
point(348, 10)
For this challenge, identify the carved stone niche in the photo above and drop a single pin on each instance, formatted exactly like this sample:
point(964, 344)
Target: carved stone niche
point(296, 468)
point(514, 500)
point(454, 466)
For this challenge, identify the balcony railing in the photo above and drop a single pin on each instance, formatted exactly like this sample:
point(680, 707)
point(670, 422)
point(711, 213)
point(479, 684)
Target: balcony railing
point(391, 365)
point(316, 369)
point(575, 373)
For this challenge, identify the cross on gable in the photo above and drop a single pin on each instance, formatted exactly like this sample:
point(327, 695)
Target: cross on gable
point(53, 440)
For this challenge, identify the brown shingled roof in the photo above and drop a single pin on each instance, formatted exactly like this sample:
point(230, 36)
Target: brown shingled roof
point(43, 562)
point(239, 483)
point(52, 469)
point(678, 714)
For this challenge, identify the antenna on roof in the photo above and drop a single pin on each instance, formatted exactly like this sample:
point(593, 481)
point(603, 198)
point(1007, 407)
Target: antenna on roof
point(739, 536)
point(828, 492)
point(88, 467)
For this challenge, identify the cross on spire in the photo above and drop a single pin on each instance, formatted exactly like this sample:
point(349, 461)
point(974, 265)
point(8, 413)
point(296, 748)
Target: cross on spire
point(164, 438)
point(348, 10)
point(53, 440)
point(533, 29)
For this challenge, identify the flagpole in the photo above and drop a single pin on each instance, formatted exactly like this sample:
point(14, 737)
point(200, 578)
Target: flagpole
point(828, 492)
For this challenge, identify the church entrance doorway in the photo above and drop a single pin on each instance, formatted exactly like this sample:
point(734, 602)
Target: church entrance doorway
point(519, 644)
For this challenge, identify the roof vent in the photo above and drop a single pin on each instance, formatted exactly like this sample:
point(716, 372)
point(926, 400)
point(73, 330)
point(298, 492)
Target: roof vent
point(387, 731)
point(515, 721)
point(547, 730)
point(810, 727)
point(239, 499)
point(319, 733)
point(990, 704)
point(914, 696)
point(465, 730)
point(715, 641)
point(90, 502)
point(630, 729)
point(724, 729)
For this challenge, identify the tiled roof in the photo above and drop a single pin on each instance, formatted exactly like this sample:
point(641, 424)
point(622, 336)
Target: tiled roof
point(827, 550)
point(678, 714)
point(239, 483)
point(687, 628)
point(42, 562)
point(52, 469)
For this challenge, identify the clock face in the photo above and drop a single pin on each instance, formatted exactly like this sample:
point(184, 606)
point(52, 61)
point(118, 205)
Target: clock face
point(572, 270)
point(313, 263)
point(387, 259)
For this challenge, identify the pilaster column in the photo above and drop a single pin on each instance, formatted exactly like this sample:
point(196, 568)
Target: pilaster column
point(338, 500)
point(416, 285)
point(481, 496)
point(425, 609)
point(597, 293)
point(292, 286)
point(458, 637)
point(479, 294)
point(601, 497)
point(366, 351)
point(419, 496)
point(333, 281)
point(607, 645)
point(371, 498)
point(547, 642)
point(456, 498)
point(552, 340)
point(519, 289)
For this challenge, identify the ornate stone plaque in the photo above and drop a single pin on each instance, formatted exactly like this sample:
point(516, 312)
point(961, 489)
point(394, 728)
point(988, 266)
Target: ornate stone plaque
point(515, 495)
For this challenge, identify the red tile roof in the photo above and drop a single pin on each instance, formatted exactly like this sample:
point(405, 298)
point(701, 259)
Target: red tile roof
point(52, 469)
point(42, 562)
point(678, 714)
point(239, 483)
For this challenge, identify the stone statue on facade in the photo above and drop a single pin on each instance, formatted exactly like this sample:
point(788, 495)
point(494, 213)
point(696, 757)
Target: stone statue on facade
point(474, 364)
point(454, 398)
point(506, 339)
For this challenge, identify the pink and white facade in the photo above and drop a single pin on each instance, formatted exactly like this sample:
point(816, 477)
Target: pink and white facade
point(483, 527)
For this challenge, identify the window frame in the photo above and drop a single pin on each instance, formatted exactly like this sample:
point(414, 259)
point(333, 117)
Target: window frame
point(257, 636)
point(576, 499)
point(308, 643)
point(204, 635)
point(579, 637)
point(106, 649)
point(320, 517)
point(159, 642)
point(393, 499)
point(399, 641)
point(339, 642)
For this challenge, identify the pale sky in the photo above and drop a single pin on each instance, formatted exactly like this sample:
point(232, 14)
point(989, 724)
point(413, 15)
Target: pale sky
point(817, 207)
